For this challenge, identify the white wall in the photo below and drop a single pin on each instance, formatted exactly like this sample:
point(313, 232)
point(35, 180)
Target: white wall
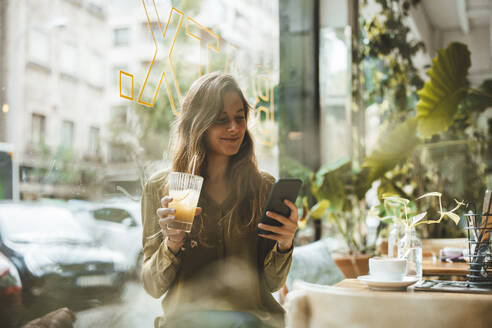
point(333, 13)
point(45, 87)
point(478, 42)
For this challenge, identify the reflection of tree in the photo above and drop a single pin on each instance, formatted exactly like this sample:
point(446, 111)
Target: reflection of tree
point(63, 167)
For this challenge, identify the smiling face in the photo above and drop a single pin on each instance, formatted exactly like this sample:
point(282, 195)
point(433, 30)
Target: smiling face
point(226, 134)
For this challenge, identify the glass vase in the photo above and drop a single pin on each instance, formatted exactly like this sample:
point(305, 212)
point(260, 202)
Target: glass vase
point(393, 239)
point(410, 248)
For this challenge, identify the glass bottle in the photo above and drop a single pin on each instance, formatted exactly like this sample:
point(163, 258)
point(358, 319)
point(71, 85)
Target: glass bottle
point(393, 239)
point(410, 248)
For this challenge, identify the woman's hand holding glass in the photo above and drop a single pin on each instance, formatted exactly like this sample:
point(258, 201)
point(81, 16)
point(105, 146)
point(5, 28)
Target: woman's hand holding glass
point(284, 234)
point(175, 237)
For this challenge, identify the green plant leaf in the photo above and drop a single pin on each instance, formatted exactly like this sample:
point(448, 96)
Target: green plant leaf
point(398, 200)
point(386, 188)
point(453, 216)
point(478, 101)
point(415, 219)
point(393, 146)
point(441, 95)
point(339, 165)
point(458, 205)
point(431, 194)
point(319, 209)
point(329, 183)
point(389, 219)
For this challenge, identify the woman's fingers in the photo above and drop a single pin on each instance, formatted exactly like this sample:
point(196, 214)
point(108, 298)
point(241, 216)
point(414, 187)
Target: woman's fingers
point(167, 216)
point(165, 201)
point(293, 210)
point(165, 221)
point(163, 212)
point(173, 234)
point(281, 219)
point(164, 225)
point(284, 234)
point(278, 230)
point(277, 217)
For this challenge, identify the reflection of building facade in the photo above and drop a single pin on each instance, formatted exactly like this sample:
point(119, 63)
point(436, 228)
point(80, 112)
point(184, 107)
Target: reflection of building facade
point(250, 27)
point(130, 50)
point(3, 71)
point(56, 94)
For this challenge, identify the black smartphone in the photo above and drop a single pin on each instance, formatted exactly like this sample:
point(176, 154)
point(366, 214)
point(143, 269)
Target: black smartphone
point(282, 189)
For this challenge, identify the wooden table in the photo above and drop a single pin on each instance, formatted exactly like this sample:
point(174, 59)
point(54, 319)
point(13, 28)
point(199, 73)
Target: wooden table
point(438, 268)
point(350, 303)
point(362, 287)
point(432, 266)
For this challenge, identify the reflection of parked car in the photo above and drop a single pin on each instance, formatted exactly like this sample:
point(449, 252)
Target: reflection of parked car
point(58, 262)
point(117, 225)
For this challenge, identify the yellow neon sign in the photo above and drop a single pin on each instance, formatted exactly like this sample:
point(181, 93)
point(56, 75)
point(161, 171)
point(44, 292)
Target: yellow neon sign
point(209, 46)
point(263, 91)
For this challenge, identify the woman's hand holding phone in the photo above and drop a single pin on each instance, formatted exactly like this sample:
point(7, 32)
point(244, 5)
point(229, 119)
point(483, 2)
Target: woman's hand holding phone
point(283, 234)
point(175, 238)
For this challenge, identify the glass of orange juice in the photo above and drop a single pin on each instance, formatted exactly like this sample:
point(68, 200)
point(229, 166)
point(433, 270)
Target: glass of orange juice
point(184, 189)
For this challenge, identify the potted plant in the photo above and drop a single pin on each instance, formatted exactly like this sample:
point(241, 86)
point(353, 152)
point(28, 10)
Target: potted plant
point(339, 189)
point(400, 212)
point(335, 188)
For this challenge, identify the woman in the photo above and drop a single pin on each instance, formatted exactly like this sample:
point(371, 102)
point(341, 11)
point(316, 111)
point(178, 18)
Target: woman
point(223, 273)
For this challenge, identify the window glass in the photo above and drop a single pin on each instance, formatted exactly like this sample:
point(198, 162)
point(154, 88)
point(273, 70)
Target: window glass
point(121, 37)
point(67, 134)
point(334, 95)
point(38, 129)
point(145, 31)
point(94, 141)
point(38, 48)
point(68, 61)
point(89, 103)
point(5, 175)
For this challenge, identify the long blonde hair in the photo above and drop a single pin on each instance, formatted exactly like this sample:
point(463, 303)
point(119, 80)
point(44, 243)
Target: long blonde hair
point(201, 107)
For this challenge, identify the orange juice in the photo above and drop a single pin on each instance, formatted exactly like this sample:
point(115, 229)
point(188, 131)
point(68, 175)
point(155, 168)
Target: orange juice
point(184, 202)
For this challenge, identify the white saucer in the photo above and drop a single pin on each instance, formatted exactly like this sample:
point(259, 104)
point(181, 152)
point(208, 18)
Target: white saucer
point(378, 284)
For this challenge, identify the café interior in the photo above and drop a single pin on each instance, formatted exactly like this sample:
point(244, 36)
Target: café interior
point(383, 108)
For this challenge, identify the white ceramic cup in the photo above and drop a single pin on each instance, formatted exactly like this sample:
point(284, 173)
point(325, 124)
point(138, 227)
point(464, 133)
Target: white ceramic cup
point(387, 269)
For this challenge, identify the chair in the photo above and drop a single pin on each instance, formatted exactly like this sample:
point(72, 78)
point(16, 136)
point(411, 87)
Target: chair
point(313, 263)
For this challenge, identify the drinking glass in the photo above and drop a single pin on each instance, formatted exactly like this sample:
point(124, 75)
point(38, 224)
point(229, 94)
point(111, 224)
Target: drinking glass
point(184, 189)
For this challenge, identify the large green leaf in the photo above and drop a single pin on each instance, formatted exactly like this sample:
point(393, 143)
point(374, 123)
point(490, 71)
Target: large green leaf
point(392, 147)
point(479, 101)
point(319, 209)
point(329, 183)
point(441, 95)
point(386, 188)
